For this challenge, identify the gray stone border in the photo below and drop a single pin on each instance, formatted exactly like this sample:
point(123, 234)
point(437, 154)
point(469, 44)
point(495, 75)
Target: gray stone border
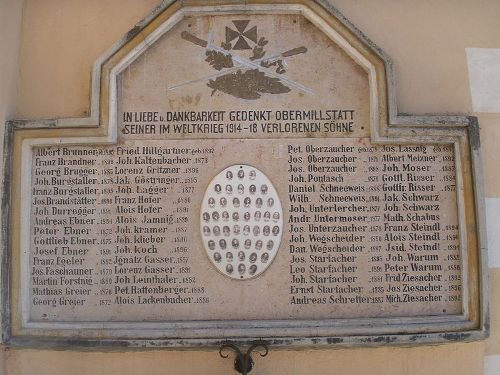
point(395, 120)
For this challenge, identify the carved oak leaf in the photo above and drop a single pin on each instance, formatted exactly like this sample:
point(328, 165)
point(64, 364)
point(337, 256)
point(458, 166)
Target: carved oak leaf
point(219, 60)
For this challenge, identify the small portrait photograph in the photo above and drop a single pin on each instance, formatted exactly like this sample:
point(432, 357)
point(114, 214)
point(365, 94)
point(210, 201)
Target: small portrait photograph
point(248, 243)
point(218, 188)
point(252, 175)
point(253, 257)
point(270, 202)
point(241, 255)
point(267, 216)
point(225, 215)
point(206, 230)
point(252, 269)
point(241, 268)
point(276, 216)
point(229, 175)
point(217, 257)
point(241, 189)
point(257, 215)
point(222, 244)
point(229, 268)
point(235, 243)
point(276, 230)
point(264, 258)
point(236, 229)
point(246, 230)
point(211, 245)
point(266, 230)
point(258, 202)
point(236, 202)
point(258, 245)
point(206, 217)
point(246, 216)
point(256, 230)
point(226, 231)
point(270, 245)
point(263, 189)
point(236, 216)
point(229, 189)
point(211, 202)
point(216, 230)
point(247, 202)
point(252, 189)
point(223, 202)
point(229, 256)
point(215, 216)
point(241, 174)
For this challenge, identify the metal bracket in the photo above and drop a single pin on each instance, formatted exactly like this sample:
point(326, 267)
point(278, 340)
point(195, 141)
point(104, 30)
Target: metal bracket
point(243, 362)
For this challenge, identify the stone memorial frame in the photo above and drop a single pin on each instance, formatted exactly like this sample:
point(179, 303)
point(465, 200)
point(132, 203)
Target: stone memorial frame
point(387, 126)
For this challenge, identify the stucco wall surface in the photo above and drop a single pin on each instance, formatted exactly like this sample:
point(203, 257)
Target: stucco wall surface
point(10, 34)
point(427, 40)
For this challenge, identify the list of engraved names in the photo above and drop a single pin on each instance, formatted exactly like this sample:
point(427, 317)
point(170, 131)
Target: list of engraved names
point(368, 231)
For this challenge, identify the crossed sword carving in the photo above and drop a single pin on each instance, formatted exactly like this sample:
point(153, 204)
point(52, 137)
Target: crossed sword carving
point(243, 63)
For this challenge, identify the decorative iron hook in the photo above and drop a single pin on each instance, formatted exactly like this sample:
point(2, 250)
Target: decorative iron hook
point(243, 362)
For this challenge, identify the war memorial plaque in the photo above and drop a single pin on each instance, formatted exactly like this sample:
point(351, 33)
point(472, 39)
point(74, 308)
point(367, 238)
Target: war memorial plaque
point(247, 185)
